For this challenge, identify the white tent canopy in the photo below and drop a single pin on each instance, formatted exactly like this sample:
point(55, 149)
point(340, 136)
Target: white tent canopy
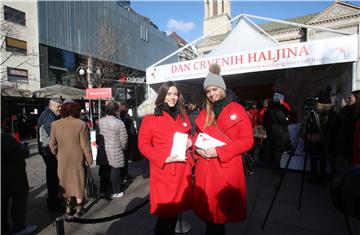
point(249, 49)
point(246, 36)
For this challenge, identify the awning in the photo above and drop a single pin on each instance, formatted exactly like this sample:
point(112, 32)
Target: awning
point(12, 90)
point(56, 91)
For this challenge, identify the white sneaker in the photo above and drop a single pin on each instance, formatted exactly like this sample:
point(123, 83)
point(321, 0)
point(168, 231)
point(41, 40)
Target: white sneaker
point(117, 195)
point(29, 229)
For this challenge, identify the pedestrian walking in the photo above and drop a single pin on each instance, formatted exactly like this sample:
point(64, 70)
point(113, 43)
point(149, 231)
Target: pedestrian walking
point(112, 142)
point(220, 187)
point(170, 176)
point(70, 143)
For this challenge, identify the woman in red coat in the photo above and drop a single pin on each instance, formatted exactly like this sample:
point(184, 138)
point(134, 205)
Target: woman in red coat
point(170, 177)
point(220, 188)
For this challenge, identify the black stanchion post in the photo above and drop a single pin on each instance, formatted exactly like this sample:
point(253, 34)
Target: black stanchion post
point(59, 222)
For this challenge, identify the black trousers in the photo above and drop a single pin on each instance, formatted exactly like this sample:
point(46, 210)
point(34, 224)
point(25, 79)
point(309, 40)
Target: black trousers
point(165, 226)
point(105, 182)
point(277, 160)
point(52, 179)
point(117, 180)
point(17, 212)
point(214, 229)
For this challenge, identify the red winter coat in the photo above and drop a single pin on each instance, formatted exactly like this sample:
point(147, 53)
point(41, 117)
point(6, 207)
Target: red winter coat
point(220, 187)
point(170, 183)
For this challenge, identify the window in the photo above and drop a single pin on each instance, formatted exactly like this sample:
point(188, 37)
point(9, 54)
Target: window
point(17, 75)
point(13, 15)
point(144, 34)
point(16, 45)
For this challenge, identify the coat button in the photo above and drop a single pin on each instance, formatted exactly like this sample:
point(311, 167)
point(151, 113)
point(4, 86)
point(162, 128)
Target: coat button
point(185, 124)
point(233, 117)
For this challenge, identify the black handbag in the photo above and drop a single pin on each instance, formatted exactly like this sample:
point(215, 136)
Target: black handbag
point(249, 164)
point(90, 186)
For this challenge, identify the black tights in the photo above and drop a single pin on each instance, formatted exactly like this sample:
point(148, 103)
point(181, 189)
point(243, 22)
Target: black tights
point(165, 226)
point(214, 229)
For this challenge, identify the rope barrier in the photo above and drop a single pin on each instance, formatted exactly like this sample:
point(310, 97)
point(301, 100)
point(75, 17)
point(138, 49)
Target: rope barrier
point(59, 222)
point(72, 219)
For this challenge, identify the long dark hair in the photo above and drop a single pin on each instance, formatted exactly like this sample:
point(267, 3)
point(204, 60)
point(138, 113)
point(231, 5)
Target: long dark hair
point(164, 88)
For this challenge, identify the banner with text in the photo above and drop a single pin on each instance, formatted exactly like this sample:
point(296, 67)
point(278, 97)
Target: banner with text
point(98, 93)
point(326, 51)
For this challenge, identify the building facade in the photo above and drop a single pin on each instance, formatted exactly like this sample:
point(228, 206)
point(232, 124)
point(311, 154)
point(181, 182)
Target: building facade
point(46, 42)
point(185, 54)
point(106, 31)
point(20, 71)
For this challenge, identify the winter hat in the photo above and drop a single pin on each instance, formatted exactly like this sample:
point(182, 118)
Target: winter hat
point(278, 96)
point(213, 78)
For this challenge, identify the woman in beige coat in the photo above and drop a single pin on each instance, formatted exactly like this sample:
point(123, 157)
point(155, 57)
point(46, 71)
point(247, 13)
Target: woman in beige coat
point(69, 142)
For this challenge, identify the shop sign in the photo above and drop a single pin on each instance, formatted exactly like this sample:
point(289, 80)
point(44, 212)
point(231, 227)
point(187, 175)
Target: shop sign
point(327, 51)
point(135, 79)
point(125, 79)
point(98, 93)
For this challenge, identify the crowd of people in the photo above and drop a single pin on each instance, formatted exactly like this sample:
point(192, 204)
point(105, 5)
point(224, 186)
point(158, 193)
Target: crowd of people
point(210, 180)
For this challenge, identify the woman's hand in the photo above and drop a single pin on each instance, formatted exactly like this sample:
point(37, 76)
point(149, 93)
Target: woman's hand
point(174, 158)
point(207, 153)
point(211, 152)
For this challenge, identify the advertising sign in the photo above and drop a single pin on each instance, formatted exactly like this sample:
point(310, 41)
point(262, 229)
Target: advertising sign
point(327, 51)
point(98, 93)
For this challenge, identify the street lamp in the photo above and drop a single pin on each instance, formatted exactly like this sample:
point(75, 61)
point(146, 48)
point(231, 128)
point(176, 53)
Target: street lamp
point(82, 71)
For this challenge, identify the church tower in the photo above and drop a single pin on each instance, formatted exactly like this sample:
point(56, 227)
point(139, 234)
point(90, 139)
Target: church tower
point(216, 13)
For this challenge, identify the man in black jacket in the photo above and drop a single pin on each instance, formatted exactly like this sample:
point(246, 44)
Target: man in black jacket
point(49, 115)
point(276, 121)
point(131, 149)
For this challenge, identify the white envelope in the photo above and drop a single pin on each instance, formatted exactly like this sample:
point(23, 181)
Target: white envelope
point(179, 145)
point(205, 141)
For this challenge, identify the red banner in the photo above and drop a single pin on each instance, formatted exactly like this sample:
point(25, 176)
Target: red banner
point(98, 93)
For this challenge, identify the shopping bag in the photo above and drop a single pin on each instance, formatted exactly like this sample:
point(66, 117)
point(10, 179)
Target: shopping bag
point(90, 186)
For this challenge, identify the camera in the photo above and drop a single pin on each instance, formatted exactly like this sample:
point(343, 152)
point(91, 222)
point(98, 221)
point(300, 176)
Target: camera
point(310, 104)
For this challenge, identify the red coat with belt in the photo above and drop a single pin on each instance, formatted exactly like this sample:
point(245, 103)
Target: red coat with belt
point(170, 183)
point(220, 187)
